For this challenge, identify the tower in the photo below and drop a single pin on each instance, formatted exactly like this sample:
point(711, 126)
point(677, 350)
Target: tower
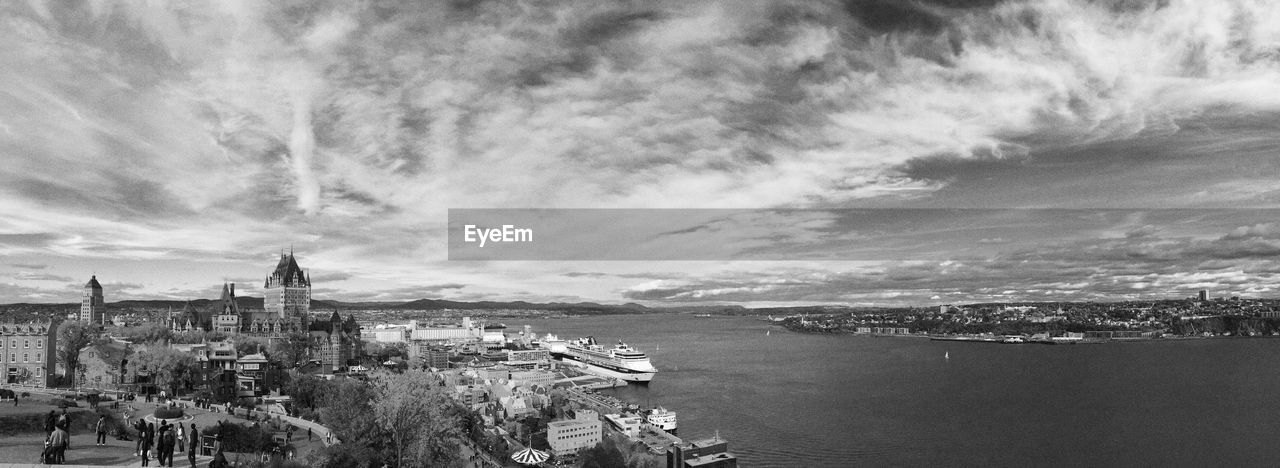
point(226, 318)
point(288, 290)
point(93, 309)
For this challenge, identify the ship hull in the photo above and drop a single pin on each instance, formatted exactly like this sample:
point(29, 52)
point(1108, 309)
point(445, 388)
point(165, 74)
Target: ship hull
point(629, 376)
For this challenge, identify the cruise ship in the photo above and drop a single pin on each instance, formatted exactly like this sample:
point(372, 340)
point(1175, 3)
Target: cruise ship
point(620, 362)
point(663, 419)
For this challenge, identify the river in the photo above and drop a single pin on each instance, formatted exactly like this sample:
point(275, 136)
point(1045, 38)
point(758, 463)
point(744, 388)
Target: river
point(791, 399)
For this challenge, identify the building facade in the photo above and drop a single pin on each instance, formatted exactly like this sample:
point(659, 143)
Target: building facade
point(335, 341)
point(288, 289)
point(103, 365)
point(707, 453)
point(570, 435)
point(29, 353)
point(93, 308)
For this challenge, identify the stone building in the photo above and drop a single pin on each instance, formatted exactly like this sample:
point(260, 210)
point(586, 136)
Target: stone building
point(103, 365)
point(29, 351)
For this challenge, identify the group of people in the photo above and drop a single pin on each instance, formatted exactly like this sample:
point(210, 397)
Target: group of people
point(161, 442)
point(57, 430)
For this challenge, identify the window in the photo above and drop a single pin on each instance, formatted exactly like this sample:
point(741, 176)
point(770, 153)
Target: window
point(13, 357)
point(26, 343)
point(24, 357)
point(39, 344)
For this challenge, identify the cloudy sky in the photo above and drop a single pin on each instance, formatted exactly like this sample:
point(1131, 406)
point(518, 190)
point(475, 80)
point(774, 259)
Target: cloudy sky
point(1008, 150)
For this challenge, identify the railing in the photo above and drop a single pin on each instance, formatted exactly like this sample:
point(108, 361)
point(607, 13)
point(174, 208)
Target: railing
point(326, 435)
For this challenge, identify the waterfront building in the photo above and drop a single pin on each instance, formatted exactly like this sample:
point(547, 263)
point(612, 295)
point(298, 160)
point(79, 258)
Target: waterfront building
point(625, 423)
point(30, 352)
point(706, 453)
point(388, 334)
point(541, 378)
point(527, 357)
point(93, 308)
point(570, 435)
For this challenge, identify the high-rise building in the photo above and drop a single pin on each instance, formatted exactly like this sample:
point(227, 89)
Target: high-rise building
point(93, 309)
point(1204, 295)
point(288, 289)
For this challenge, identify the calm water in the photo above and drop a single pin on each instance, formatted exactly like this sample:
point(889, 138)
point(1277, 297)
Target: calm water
point(788, 399)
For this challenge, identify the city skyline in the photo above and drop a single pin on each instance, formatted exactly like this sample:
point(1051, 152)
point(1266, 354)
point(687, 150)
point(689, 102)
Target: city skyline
point(1092, 150)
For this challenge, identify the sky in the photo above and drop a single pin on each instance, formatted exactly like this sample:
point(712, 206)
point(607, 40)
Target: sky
point(1006, 150)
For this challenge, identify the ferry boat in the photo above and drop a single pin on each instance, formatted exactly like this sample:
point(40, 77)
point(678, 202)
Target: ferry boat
point(663, 419)
point(620, 362)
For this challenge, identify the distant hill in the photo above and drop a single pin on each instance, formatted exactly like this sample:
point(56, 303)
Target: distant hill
point(28, 311)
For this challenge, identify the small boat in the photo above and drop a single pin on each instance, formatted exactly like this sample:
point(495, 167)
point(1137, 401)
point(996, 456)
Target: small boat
point(766, 332)
point(946, 355)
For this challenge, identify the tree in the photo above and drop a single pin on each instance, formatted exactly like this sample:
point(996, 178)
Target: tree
point(291, 349)
point(167, 366)
point(417, 416)
point(304, 389)
point(73, 335)
point(144, 333)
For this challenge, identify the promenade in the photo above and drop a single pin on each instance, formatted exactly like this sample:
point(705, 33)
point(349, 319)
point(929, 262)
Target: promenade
point(16, 450)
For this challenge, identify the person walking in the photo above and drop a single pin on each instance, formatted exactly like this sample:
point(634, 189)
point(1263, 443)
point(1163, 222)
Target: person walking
point(219, 460)
point(101, 429)
point(151, 438)
point(182, 438)
point(164, 449)
point(144, 450)
point(191, 450)
point(58, 441)
point(141, 427)
point(308, 434)
point(169, 444)
point(49, 422)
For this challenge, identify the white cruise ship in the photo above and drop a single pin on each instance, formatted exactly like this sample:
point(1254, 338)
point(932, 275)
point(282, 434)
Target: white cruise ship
point(620, 362)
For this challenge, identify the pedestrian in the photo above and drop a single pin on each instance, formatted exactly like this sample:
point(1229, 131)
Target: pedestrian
point(58, 441)
point(151, 438)
point(144, 448)
point(308, 434)
point(164, 452)
point(101, 429)
point(141, 427)
point(219, 460)
point(182, 438)
point(191, 451)
point(49, 422)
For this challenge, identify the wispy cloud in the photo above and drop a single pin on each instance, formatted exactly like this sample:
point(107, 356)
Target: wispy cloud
point(211, 132)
